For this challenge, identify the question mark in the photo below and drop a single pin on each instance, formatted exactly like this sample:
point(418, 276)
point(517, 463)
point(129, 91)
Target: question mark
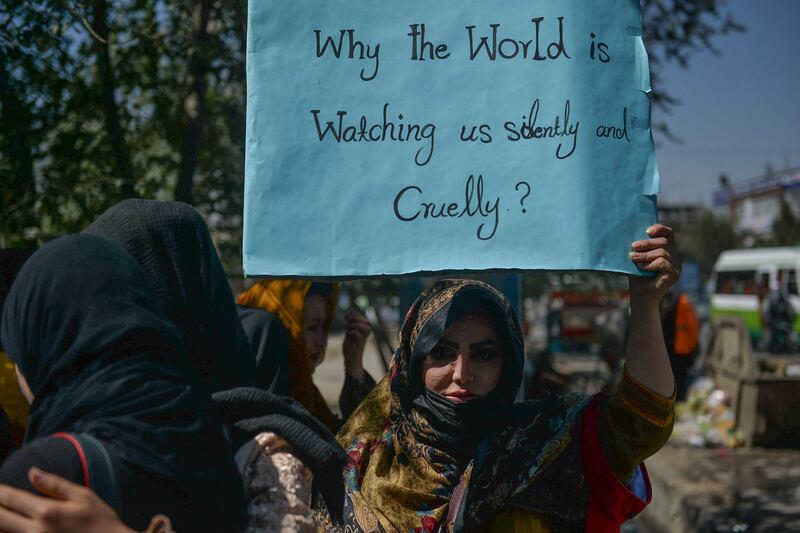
point(522, 200)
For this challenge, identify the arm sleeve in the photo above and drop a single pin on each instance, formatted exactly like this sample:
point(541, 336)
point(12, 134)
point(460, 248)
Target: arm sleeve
point(277, 486)
point(635, 423)
point(611, 502)
point(52, 454)
point(353, 393)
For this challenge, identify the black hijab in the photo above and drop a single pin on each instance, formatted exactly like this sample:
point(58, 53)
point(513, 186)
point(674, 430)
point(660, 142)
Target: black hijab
point(171, 243)
point(11, 261)
point(269, 343)
point(82, 325)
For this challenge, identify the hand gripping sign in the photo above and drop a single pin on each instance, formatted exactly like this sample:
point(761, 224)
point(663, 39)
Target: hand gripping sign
point(393, 137)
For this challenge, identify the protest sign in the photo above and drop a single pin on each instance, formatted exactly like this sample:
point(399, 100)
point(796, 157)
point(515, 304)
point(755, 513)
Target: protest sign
point(389, 137)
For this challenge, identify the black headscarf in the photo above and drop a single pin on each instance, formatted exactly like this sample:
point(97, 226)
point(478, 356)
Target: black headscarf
point(171, 243)
point(82, 325)
point(11, 261)
point(269, 343)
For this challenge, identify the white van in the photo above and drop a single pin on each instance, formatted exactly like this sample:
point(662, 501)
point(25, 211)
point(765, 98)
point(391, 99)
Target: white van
point(743, 279)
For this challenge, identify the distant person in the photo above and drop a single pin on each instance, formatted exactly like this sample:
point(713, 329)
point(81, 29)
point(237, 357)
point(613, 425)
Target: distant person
point(306, 310)
point(681, 335)
point(779, 317)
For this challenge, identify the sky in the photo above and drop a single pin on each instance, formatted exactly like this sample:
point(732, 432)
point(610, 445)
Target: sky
point(739, 110)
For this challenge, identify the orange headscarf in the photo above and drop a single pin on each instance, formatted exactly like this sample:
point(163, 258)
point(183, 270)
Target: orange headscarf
point(286, 298)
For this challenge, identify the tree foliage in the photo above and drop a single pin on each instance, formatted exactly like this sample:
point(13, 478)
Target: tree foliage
point(106, 99)
point(704, 242)
point(786, 227)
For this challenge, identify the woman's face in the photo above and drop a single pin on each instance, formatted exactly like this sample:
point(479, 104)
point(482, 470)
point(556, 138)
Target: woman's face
point(466, 363)
point(315, 313)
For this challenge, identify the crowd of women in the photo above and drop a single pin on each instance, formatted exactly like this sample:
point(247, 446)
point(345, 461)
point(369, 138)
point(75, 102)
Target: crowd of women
point(159, 402)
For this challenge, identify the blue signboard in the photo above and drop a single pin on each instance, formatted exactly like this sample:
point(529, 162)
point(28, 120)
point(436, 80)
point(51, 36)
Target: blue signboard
point(389, 138)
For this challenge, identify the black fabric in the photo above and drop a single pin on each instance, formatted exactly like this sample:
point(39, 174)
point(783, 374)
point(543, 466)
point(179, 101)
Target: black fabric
point(57, 456)
point(353, 393)
point(270, 346)
point(102, 465)
point(458, 427)
point(243, 409)
point(11, 261)
point(6, 435)
point(320, 289)
point(171, 243)
point(83, 326)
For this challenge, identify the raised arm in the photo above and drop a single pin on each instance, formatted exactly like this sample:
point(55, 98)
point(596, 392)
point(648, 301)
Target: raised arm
point(646, 356)
point(357, 381)
point(638, 417)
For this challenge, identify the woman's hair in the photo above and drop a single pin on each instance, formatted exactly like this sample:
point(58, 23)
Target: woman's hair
point(438, 308)
point(320, 289)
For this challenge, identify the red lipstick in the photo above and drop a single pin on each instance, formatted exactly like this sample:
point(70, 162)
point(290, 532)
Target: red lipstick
point(460, 396)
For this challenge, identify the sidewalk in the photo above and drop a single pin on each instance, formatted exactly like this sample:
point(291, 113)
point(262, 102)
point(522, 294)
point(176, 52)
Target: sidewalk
point(742, 490)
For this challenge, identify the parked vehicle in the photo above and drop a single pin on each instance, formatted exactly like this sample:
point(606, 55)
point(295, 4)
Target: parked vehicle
point(743, 280)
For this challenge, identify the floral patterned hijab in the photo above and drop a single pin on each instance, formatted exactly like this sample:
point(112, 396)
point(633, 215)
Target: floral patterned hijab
point(402, 477)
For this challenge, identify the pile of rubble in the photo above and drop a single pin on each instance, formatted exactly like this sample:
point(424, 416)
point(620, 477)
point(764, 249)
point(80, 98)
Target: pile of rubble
point(706, 419)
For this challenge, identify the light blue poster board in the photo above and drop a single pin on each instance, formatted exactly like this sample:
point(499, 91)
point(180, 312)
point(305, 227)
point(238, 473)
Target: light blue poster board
point(393, 137)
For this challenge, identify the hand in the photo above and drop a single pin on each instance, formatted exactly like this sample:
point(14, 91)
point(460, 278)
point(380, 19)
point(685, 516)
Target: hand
point(355, 340)
point(654, 255)
point(69, 508)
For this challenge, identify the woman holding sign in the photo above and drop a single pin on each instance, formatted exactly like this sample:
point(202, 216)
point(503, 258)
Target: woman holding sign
point(439, 444)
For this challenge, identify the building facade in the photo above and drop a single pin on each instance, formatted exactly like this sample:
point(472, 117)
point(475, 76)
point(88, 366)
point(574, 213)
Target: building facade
point(754, 205)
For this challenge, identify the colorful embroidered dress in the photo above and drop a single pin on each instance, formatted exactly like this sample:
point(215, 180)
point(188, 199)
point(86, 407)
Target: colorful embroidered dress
point(533, 466)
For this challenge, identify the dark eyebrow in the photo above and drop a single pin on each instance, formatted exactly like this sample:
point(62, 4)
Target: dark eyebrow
point(480, 344)
point(448, 344)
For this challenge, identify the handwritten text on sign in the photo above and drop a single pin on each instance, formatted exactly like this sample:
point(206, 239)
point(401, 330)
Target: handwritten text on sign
point(455, 135)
